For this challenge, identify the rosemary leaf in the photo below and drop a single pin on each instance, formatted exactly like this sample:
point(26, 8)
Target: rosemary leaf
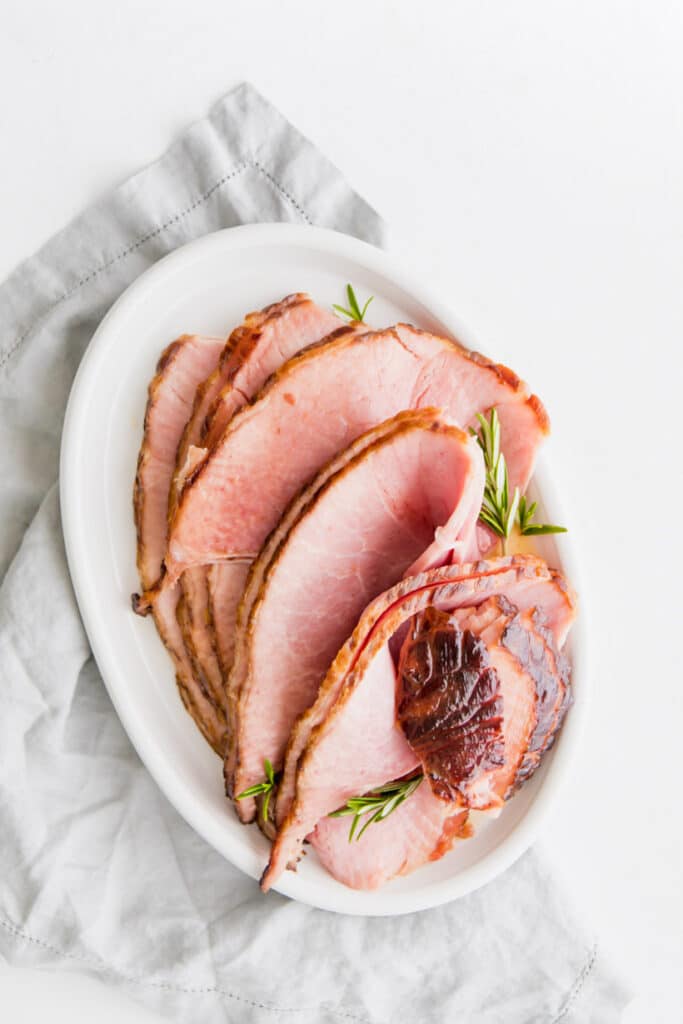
point(376, 805)
point(353, 312)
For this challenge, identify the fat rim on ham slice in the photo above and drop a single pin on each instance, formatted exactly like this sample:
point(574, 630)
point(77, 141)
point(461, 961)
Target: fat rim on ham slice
point(425, 827)
point(415, 444)
point(416, 369)
point(189, 358)
point(526, 581)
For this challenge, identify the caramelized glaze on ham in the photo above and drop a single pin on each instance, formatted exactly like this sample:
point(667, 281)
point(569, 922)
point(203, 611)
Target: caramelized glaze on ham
point(423, 828)
point(363, 672)
point(449, 703)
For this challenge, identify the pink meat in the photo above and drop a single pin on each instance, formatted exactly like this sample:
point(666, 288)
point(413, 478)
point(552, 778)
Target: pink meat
point(437, 709)
point(181, 368)
point(319, 403)
point(226, 581)
point(423, 828)
point(363, 676)
point(421, 477)
point(525, 580)
point(254, 351)
point(195, 622)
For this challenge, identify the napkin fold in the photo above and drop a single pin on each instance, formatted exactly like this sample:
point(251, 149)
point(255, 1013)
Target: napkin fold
point(98, 873)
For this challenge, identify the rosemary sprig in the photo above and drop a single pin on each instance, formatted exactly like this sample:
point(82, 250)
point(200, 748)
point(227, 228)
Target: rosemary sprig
point(264, 788)
point(354, 312)
point(499, 509)
point(529, 528)
point(378, 803)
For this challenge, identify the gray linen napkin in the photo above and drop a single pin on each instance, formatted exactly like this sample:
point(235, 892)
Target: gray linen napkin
point(97, 872)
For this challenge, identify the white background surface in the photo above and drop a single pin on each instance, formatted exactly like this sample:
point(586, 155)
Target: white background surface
point(529, 158)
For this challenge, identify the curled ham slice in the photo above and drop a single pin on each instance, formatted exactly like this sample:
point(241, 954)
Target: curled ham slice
point(316, 780)
point(370, 514)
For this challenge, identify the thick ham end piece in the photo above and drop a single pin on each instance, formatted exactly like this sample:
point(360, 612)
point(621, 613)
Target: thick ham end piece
point(182, 366)
point(450, 705)
point(527, 581)
point(422, 829)
point(309, 411)
point(358, 677)
point(415, 484)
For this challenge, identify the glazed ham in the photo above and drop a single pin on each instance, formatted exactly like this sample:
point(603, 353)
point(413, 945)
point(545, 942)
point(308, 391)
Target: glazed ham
point(362, 675)
point(411, 487)
point(435, 681)
point(183, 365)
point(525, 580)
point(318, 404)
point(307, 506)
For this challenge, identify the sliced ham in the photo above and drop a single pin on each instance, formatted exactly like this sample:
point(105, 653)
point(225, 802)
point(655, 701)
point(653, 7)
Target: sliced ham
point(226, 582)
point(318, 404)
point(440, 707)
point(525, 580)
point(254, 351)
point(183, 365)
point(426, 825)
point(413, 485)
point(423, 828)
point(362, 678)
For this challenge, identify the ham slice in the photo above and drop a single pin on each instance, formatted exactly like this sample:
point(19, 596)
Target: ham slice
point(362, 677)
point(254, 351)
point(423, 828)
point(438, 707)
point(318, 404)
point(182, 366)
point(226, 582)
point(525, 580)
point(426, 826)
point(412, 485)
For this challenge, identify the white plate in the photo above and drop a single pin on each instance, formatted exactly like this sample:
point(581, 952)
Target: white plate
point(207, 287)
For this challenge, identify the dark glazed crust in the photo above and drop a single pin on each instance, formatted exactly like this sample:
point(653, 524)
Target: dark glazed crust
point(450, 707)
